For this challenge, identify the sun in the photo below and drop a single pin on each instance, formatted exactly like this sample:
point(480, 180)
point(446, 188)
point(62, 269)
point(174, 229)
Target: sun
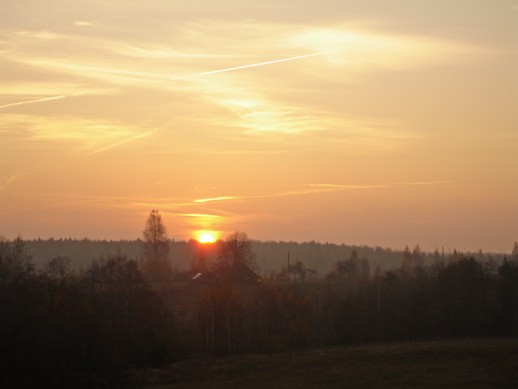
point(206, 236)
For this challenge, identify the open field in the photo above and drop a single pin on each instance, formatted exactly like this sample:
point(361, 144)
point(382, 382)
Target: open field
point(461, 363)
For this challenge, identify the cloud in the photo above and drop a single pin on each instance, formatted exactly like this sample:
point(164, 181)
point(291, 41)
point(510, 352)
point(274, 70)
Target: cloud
point(309, 189)
point(339, 187)
point(205, 63)
point(319, 188)
point(385, 185)
point(199, 215)
point(212, 199)
point(362, 51)
point(211, 47)
point(89, 134)
point(419, 183)
point(199, 67)
point(83, 23)
point(83, 138)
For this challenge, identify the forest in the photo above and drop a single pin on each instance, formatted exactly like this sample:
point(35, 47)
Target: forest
point(65, 321)
point(270, 255)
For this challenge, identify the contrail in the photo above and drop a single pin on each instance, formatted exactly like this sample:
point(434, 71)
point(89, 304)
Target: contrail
point(9, 181)
point(39, 100)
point(246, 66)
point(119, 143)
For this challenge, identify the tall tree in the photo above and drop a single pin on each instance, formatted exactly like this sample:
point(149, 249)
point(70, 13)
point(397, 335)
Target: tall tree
point(407, 262)
point(514, 253)
point(156, 247)
point(237, 250)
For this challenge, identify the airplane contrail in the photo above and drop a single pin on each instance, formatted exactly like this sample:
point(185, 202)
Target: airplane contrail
point(245, 66)
point(9, 181)
point(119, 143)
point(39, 100)
point(33, 101)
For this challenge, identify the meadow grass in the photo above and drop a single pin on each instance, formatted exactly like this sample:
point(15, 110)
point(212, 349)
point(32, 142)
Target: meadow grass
point(433, 364)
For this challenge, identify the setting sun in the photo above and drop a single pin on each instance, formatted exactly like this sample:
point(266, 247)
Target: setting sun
point(206, 237)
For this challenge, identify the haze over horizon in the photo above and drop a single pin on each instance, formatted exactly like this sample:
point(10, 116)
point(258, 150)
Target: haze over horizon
point(357, 122)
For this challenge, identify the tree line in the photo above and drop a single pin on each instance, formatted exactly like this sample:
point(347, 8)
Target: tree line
point(455, 298)
point(270, 256)
point(61, 328)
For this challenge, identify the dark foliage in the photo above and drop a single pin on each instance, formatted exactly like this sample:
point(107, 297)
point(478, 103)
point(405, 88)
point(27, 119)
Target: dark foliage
point(62, 329)
point(460, 299)
point(65, 327)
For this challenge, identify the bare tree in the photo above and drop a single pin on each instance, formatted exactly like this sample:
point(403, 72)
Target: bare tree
point(59, 268)
point(156, 247)
point(514, 253)
point(237, 250)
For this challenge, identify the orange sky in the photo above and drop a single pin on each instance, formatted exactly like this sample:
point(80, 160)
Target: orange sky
point(363, 122)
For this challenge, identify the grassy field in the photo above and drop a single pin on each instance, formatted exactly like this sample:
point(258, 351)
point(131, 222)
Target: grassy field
point(454, 364)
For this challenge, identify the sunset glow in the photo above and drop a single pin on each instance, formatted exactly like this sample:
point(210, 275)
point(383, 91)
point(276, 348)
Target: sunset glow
point(339, 121)
point(206, 237)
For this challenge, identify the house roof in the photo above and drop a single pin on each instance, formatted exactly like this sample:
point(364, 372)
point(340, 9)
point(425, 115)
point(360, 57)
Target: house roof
point(237, 274)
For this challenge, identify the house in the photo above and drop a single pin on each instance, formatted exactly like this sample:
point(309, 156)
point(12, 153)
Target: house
point(237, 274)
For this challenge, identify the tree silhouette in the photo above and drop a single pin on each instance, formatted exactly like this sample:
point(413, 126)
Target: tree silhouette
point(237, 250)
point(156, 248)
point(514, 253)
point(508, 298)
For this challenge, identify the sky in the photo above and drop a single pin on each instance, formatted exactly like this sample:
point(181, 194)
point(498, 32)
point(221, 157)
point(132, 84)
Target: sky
point(358, 122)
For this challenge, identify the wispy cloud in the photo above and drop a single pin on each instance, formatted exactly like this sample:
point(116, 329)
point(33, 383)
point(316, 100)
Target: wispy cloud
point(199, 215)
point(210, 55)
point(363, 51)
point(309, 189)
point(418, 183)
point(89, 134)
point(83, 23)
point(83, 138)
point(338, 186)
point(212, 199)
point(197, 48)
point(320, 188)
point(379, 186)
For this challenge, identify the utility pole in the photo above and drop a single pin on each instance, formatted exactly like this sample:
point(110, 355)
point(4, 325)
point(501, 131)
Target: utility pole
point(289, 270)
